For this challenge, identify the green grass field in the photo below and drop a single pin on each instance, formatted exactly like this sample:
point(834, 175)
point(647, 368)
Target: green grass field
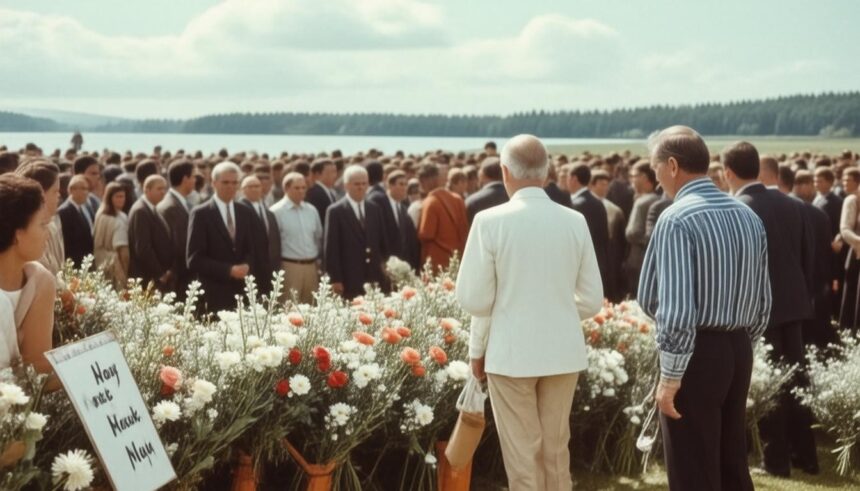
point(765, 144)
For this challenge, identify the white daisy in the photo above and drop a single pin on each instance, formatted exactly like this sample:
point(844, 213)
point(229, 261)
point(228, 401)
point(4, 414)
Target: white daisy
point(300, 385)
point(166, 411)
point(35, 421)
point(73, 469)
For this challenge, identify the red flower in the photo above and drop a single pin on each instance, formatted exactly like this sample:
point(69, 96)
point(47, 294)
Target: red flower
point(323, 359)
point(295, 356)
point(438, 355)
point(296, 319)
point(450, 338)
point(365, 318)
point(410, 356)
point(622, 347)
point(594, 337)
point(390, 336)
point(390, 313)
point(363, 338)
point(404, 332)
point(282, 387)
point(81, 310)
point(166, 390)
point(643, 328)
point(168, 350)
point(408, 292)
point(337, 379)
point(418, 370)
point(599, 319)
point(448, 284)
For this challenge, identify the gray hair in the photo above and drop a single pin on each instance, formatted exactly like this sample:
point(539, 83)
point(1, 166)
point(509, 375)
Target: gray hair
point(353, 171)
point(225, 167)
point(525, 157)
point(290, 178)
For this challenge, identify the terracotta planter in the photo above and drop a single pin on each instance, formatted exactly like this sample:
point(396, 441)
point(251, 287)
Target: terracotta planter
point(319, 476)
point(448, 478)
point(244, 477)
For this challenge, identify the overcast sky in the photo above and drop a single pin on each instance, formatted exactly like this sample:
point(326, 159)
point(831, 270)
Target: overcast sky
point(171, 58)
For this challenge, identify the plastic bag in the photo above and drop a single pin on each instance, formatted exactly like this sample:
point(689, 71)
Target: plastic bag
point(472, 397)
point(470, 425)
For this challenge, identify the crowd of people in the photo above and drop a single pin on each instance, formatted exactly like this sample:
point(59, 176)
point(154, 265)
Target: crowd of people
point(168, 218)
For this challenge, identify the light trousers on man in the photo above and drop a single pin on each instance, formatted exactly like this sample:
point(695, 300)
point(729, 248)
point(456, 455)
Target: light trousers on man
point(533, 422)
point(302, 278)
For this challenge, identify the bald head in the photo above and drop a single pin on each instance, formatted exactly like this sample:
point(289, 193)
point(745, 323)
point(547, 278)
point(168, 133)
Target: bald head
point(252, 188)
point(525, 158)
point(155, 187)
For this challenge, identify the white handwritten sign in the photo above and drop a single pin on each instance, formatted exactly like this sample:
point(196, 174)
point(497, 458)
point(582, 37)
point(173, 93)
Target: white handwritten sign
point(106, 397)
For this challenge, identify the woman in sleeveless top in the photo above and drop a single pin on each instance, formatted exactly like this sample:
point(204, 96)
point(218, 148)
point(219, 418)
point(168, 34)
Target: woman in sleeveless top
point(24, 283)
point(849, 225)
point(110, 241)
point(46, 173)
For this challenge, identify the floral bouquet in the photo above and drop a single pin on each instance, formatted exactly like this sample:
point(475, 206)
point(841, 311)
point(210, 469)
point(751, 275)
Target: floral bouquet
point(20, 426)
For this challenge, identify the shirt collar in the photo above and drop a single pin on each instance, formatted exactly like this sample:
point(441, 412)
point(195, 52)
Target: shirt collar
point(575, 195)
point(530, 192)
point(698, 184)
point(745, 186)
point(353, 202)
point(220, 203)
point(148, 203)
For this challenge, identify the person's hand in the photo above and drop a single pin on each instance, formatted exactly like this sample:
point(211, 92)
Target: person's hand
point(239, 271)
point(837, 244)
point(665, 397)
point(478, 368)
point(337, 288)
point(165, 278)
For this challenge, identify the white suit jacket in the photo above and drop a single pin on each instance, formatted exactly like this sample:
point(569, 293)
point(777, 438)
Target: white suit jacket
point(528, 276)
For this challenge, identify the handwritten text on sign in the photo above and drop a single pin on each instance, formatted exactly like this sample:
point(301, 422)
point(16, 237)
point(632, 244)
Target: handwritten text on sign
point(99, 383)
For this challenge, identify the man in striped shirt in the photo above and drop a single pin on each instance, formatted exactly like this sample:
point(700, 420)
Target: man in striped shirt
point(705, 282)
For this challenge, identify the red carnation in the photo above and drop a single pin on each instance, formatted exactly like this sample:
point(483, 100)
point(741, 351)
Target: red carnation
point(337, 379)
point(323, 359)
point(295, 356)
point(282, 387)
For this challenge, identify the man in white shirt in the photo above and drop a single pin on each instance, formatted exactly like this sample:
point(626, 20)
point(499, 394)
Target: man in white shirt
point(301, 238)
point(529, 275)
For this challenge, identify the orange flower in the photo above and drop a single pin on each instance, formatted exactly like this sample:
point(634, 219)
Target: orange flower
point(390, 313)
point(391, 336)
point(170, 377)
point(448, 284)
point(168, 350)
point(643, 328)
point(418, 370)
point(438, 355)
point(365, 318)
point(599, 319)
point(410, 356)
point(450, 338)
point(594, 337)
point(74, 283)
point(296, 319)
point(448, 324)
point(357, 301)
point(363, 338)
point(404, 331)
point(622, 347)
point(81, 310)
point(408, 292)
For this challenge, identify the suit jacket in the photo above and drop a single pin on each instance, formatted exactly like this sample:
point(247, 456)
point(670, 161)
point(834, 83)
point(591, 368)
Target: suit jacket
point(556, 194)
point(832, 206)
point(492, 194)
point(176, 216)
point(355, 254)
point(510, 276)
point(598, 225)
point(403, 238)
point(320, 199)
point(654, 212)
point(636, 238)
point(376, 192)
point(822, 252)
point(150, 249)
point(211, 254)
point(268, 242)
point(77, 237)
point(789, 252)
point(443, 227)
point(621, 193)
point(617, 287)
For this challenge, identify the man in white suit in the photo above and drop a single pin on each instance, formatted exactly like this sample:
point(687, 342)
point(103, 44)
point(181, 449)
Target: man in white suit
point(529, 274)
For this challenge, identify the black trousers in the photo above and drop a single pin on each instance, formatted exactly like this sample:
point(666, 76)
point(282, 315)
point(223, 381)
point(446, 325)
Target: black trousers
point(787, 430)
point(706, 450)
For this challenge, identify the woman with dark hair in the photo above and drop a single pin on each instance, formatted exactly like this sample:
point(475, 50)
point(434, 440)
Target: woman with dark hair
point(47, 174)
point(27, 289)
point(110, 235)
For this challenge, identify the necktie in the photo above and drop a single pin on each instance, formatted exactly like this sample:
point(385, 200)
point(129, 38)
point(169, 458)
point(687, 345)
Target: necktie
point(361, 213)
point(231, 226)
point(396, 214)
point(85, 213)
point(262, 216)
point(331, 195)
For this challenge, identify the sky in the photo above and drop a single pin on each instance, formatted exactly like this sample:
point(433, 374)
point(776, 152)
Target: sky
point(180, 59)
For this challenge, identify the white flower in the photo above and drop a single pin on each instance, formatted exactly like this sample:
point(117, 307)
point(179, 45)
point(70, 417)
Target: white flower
point(11, 394)
point(227, 359)
point(349, 346)
point(73, 470)
point(266, 357)
point(202, 390)
point(458, 370)
point(441, 377)
point(212, 413)
point(162, 309)
point(164, 330)
point(299, 385)
point(210, 336)
point(365, 373)
point(286, 339)
point(254, 342)
point(171, 449)
point(430, 459)
point(35, 421)
point(423, 413)
point(339, 413)
point(166, 411)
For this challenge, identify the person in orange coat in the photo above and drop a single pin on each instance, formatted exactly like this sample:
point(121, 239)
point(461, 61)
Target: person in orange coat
point(443, 227)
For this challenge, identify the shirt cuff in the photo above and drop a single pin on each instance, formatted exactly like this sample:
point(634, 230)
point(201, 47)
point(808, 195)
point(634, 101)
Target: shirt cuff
point(673, 366)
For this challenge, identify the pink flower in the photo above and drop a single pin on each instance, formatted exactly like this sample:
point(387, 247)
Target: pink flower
point(171, 377)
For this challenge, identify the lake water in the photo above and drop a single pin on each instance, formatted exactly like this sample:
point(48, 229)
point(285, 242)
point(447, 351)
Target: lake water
point(272, 144)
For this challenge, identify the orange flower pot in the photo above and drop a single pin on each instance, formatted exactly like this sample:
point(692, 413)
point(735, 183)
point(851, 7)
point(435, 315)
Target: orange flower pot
point(319, 476)
point(449, 479)
point(244, 477)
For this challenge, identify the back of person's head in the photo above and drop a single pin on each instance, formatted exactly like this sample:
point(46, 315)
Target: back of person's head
point(742, 159)
point(786, 177)
point(525, 157)
point(491, 168)
point(319, 165)
point(645, 169)
point(490, 145)
point(111, 172)
point(20, 199)
point(456, 177)
point(375, 172)
point(582, 173)
point(428, 170)
point(683, 144)
point(8, 162)
point(45, 172)
point(769, 165)
point(144, 169)
point(178, 171)
point(113, 158)
point(83, 163)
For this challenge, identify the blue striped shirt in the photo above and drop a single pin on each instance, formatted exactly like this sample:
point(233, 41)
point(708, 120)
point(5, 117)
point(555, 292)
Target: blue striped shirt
point(706, 266)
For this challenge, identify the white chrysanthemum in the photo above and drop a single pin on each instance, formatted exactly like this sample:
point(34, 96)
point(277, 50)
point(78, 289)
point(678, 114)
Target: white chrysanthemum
point(212, 413)
point(349, 346)
point(202, 390)
point(228, 316)
point(365, 373)
point(254, 342)
point(441, 376)
point(458, 370)
point(210, 336)
point(286, 339)
point(10, 395)
point(164, 330)
point(430, 459)
point(171, 449)
point(423, 414)
point(339, 413)
point(166, 411)
point(35, 421)
point(299, 385)
point(227, 359)
point(162, 309)
point(73, 469)
point(266, 357)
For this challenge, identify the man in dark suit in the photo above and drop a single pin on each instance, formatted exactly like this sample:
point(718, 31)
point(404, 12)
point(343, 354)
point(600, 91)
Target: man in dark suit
point(620, 190)
point(221, 252)
point(76, 221)
point(322, 194)
point(89, 167)
point(175, 210)
point(654, 212)
point(492, 190)
point(831, 204)
point(553, 188)
point(268, 236)
point(355, 247)
point(594, 212)
point(375, 175)
point(399, 229)
point(786, 431)
point(150, 249)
